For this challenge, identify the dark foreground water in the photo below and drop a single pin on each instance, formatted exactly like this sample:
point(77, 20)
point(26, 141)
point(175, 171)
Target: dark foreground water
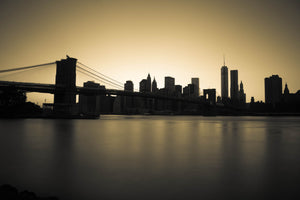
point(153, 157)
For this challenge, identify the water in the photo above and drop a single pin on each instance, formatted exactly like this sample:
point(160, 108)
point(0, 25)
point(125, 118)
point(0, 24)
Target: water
point(153, 157)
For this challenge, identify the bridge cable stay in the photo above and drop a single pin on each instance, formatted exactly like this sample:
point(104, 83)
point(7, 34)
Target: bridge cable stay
point(4, 75)
point(121, 84)
point(100, 73)
point(28, 67)
point(93, 76)
point(101, 78)
point(98, 79)
point(116, 81)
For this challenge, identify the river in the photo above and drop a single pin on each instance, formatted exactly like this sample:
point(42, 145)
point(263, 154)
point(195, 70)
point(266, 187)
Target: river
point(153, 157)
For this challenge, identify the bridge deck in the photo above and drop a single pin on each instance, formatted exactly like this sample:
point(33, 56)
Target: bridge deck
point(52, 88)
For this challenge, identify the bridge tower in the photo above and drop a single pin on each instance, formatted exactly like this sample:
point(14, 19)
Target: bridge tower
point(65, 87)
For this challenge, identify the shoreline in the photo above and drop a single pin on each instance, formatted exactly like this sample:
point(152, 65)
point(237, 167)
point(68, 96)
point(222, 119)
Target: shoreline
point(9, 116)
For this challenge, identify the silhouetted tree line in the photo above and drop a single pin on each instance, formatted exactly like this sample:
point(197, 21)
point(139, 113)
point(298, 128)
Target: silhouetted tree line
point(8, 192)
point(13, 104)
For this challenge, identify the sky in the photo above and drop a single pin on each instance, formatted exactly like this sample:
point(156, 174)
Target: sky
point(127, 39)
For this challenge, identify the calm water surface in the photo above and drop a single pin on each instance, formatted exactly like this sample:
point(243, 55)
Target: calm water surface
point(153, 157)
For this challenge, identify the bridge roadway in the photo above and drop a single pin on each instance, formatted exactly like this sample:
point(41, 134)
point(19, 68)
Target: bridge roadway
point(52, 88)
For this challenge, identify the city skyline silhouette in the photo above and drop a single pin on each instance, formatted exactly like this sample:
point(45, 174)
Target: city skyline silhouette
point(93, 99)
point(181, 39)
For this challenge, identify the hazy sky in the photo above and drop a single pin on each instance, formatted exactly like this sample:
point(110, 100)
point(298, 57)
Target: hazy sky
point(128, 39)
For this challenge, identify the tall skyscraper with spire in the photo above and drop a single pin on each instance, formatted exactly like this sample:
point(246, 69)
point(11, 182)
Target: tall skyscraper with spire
point(242, 94)
point(224, 81)
point(286, 90)
point(148, 84)
point(154, 86)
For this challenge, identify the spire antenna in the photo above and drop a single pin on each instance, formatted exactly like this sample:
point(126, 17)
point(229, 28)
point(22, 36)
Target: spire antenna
point(224, 59)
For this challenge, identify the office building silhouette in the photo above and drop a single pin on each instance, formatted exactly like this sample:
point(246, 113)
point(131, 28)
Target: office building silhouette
point(195, 81)
point(234, 87)
point(291, 101)
point(178, 90)
point(273, 89)
point(90, 104)
point(242, 96)
point(128, 86)
point(148, 84)
point(154, 86)
point(170, 84)
point(224, 82)
point(143, 85)
point(189, 90)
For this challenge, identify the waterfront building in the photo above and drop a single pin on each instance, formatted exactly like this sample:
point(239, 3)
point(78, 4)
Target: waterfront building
point(185, 91)
point(154, 86)
point(178, 90)
point(170, 84)
point(143, 87)
point(224, 82)
point(242, 97)
point(234, 87)
point(128, 101)
point(128, 86)
point(192, 90)
point(195, 81)
point(90, 104)
point(189, 90)
point(273, 89)
point(286, 90)
point(291, 101)
point(148, 84)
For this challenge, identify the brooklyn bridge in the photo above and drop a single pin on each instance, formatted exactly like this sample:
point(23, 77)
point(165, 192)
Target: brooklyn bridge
point(65, 90)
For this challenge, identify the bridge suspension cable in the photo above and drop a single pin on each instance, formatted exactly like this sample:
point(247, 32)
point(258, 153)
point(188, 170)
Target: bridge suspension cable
point(28, 67)
point(14, 73)
point(120, 85)
point(98, 79)
point(93, 75)
point(113, 80)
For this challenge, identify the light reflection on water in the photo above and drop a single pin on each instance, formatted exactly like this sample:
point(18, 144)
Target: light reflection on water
point(153, 157)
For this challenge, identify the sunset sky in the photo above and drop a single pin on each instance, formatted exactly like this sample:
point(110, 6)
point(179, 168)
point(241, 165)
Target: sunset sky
point(127, 39)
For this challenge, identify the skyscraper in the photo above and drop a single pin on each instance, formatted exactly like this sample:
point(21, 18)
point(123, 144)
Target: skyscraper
point(178, 89)
point(234, 87)
point(286, 90)
point(128, 100)
point(148, 85)
point(192, 90)
point(242, 94)
point(90, 104)
point(128, 86)
point(224, 82)
point(154, 86)
point(195, 81)
point(143, 85)
point(170, 84)
point(273, 89)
